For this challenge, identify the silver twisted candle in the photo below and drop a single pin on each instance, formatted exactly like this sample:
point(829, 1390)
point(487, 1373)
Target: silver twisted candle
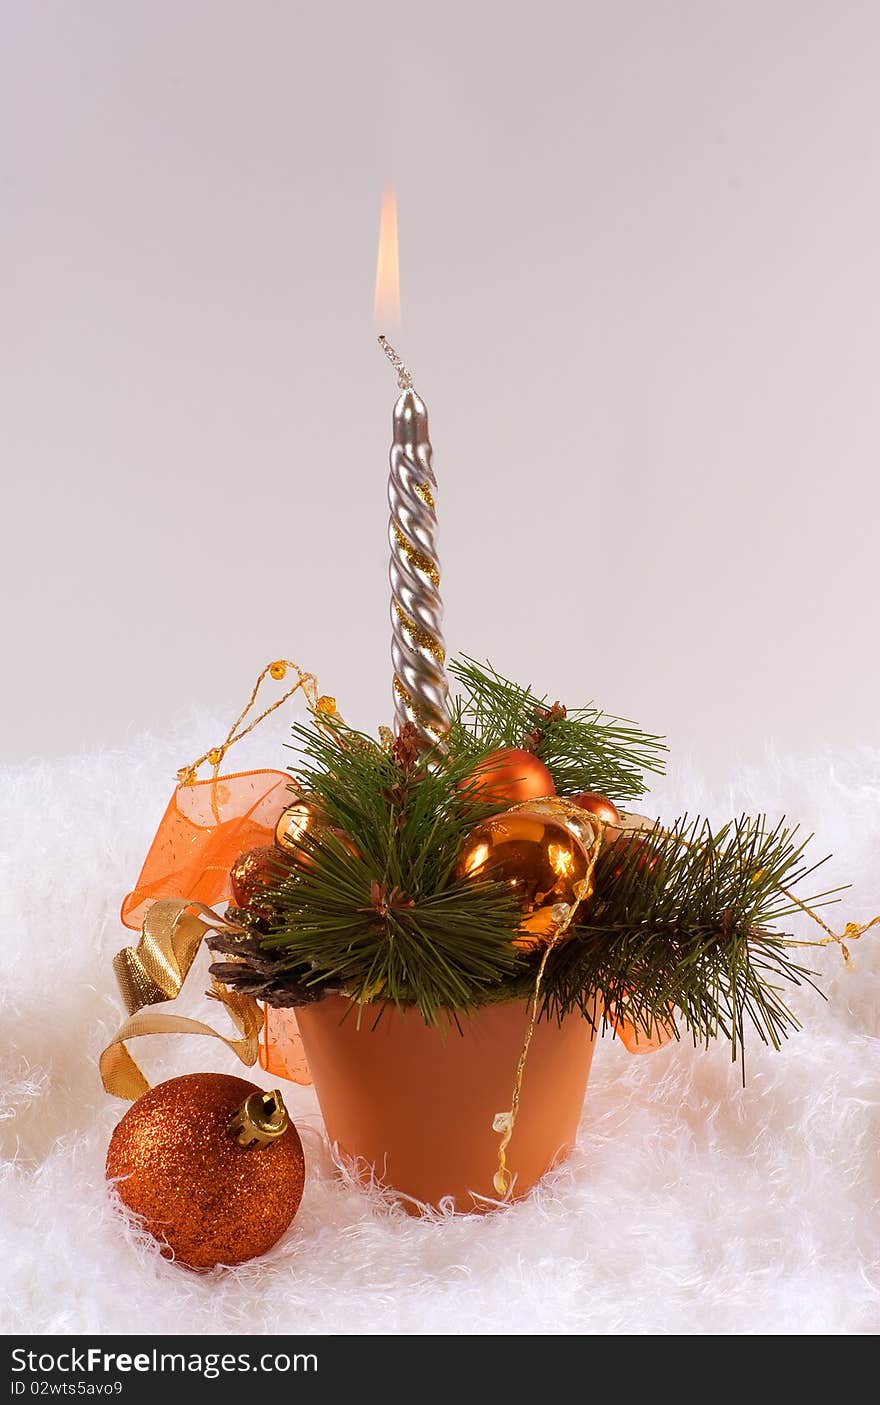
point(418, 654)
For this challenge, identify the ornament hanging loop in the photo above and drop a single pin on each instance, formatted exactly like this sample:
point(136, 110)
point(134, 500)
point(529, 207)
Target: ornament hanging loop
point(261, 1119)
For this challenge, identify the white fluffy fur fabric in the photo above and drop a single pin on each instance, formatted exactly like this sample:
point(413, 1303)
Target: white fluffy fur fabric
point(692, 1205)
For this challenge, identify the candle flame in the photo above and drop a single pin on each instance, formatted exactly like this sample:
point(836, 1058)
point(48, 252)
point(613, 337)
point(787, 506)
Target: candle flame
point(387, 303)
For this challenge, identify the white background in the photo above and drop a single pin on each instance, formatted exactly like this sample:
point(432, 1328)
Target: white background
point(640, 281)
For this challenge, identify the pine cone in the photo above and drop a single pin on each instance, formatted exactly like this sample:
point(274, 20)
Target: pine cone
point(257, 972)
point(275, 989)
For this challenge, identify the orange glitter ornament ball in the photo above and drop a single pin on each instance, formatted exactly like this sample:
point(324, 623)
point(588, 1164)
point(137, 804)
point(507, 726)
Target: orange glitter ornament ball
point(203, 1195)
point(253, 876)
point(510, 775)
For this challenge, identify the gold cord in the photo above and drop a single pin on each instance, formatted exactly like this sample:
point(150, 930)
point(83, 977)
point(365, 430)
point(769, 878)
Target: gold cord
point(851, 932)
point(320, 706)
point(505, 1122)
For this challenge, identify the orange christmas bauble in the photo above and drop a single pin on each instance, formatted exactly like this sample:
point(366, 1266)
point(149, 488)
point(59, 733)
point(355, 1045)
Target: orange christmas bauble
point(567, 813)
point(542, 859)
point(598, 805)
point(629, 852)
point(628, 837)
point(510, 775)
point(303, 822)
point(203, 1195)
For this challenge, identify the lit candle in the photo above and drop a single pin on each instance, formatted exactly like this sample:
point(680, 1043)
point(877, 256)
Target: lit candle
point(418, 654)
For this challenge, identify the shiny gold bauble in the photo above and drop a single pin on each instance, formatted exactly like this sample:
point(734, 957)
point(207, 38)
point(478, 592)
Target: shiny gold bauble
point(566, 812)
point(598, 805)
point(303, 821)
point(178, 1163)
point(509, 775)
point(253, 875)
point(543, 860)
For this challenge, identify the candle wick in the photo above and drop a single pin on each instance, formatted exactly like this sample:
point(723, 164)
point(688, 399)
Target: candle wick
point(404, 376)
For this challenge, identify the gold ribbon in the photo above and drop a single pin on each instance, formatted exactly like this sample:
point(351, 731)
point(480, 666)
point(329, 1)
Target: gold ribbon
point(154, 971)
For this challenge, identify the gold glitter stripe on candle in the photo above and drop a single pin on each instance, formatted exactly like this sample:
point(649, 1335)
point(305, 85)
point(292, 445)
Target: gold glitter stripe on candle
point(420, 636)
point(402, 691)
point(417, 559)
point(427, 497)
point(421, 714)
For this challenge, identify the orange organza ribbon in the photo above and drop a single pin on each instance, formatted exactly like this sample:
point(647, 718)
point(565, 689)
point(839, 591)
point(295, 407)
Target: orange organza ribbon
point(636, 1041)
point(205, 828)
point(203, 831)
point(281, 1047)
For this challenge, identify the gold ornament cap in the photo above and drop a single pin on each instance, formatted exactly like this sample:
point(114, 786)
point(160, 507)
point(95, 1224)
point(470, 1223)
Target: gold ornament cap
point(261, 1119)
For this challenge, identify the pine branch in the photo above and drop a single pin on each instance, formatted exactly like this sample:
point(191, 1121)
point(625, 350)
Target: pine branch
point(583, 748)
point(681, 919)
point(390, 922)
point(684, 922)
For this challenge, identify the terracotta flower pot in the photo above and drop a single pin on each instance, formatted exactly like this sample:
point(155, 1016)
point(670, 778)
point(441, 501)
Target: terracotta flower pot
point(414, 1105)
